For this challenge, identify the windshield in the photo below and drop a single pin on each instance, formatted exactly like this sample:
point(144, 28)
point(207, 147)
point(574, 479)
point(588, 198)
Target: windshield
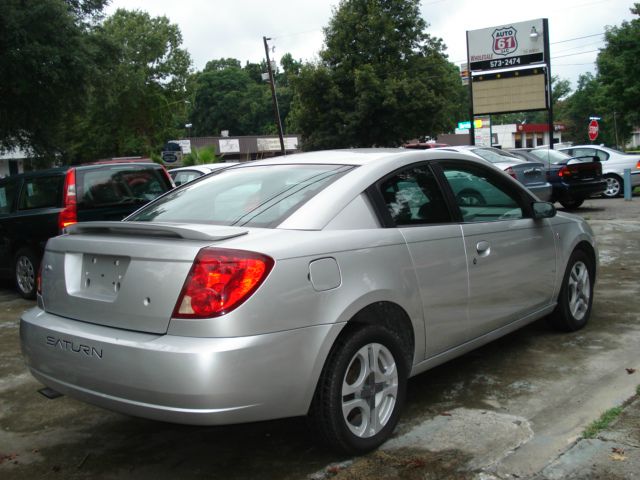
point(550, 156)
point(257, 195)
point(494, 155)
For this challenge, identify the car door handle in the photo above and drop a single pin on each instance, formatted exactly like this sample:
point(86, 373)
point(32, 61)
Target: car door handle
point(483, 248)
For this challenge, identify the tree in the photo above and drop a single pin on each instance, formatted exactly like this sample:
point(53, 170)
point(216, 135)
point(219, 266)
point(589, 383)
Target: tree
point(381, 79)
point(236, 99)
point(588, 100)
point(46, 60)
point(137, 98)
point(619, 73)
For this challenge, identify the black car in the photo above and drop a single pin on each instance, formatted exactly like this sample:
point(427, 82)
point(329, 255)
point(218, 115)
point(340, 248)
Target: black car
point(573, 179)
point(38, 205)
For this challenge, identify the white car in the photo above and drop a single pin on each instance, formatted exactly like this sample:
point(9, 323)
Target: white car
point(614, 163)
point(183, 175)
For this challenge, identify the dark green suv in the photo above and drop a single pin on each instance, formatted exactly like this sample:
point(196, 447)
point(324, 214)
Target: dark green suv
point(36, 206)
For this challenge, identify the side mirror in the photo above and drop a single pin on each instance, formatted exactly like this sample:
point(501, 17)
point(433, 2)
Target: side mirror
point(543, 210)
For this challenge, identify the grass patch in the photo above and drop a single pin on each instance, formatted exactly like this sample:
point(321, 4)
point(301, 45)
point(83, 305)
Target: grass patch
point(595, 427)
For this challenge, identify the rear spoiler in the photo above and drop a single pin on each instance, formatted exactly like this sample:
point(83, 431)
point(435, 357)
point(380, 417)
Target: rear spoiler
point(157, 229)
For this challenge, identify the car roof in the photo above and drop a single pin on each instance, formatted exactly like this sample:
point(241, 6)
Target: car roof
point(205, 167)
point(353, 156)
point(64, 168)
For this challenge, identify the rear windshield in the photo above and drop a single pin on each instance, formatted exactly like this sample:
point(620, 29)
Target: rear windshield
point(550, 156)
point(106, 185)
point(257, 195)
point(494, 155)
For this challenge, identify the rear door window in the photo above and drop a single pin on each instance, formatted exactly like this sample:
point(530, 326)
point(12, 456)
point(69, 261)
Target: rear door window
point(41, 192)
point(104, 186)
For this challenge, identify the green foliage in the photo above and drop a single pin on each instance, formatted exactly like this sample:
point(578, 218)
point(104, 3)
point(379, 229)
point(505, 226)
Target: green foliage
point(588, 100)
point(200, 156)
point(137, 97)
point(381, 80)
point(46, 59)
point(606, 419)
point(229, 99)
point(619, 72)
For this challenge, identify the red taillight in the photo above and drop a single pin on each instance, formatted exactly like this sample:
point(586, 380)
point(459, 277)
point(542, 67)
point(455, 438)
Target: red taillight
point(39, 280)
point(638, 165)
point(564, 172)
point(69, 214)
point(511, 172)
point(219, 281)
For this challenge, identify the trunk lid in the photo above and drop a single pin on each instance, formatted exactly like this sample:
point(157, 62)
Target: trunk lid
point(578, 171)
point(123, 274)
point(529, 173)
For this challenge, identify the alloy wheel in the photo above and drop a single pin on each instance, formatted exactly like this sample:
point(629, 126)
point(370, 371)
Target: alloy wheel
point(613, 187)
point(579, 290)
point(25, 274)
point(369, 390)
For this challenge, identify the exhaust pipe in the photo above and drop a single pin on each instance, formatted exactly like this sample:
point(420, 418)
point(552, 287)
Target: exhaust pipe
point(49, 393)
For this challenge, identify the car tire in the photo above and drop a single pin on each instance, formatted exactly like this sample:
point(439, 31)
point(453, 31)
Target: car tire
point(614, 186)
point(572, 204)
point(576, 295)
point(25, 271)
point(361, 390)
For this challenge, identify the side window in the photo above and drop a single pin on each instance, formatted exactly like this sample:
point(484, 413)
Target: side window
point(41, 192)
point(591, 152)
point(413, 197)
point(186, 176)
point(480, 196)
point(7, 195)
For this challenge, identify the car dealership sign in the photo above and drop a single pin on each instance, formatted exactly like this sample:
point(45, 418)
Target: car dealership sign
point(506, 46)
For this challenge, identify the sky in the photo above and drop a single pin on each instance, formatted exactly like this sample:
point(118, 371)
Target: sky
point(214, 29)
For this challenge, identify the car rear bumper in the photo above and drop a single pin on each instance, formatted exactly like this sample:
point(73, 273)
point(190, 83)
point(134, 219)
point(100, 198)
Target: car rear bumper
point(542, 191)
point(578, 190)
point(200, 381)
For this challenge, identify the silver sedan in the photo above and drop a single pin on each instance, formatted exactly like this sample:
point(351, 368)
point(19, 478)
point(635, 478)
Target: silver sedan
point(308, 285)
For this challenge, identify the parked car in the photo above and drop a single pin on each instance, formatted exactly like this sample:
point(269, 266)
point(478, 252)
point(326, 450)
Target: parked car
point(614, 164)
point(424, 145)
point(340, 276)
point(573, 179)
point(38, 205)
point(182, 175)
point(531, 175)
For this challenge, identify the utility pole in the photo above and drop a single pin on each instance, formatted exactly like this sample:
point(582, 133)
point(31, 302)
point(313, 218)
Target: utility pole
point(276, 110)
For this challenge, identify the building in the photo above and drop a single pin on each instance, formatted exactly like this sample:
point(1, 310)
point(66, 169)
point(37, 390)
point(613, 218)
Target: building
point(514, 135)
point(12, 162)
point(240, 148)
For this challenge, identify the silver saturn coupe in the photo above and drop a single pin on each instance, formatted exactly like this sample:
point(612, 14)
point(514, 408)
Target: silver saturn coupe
point(308, 285)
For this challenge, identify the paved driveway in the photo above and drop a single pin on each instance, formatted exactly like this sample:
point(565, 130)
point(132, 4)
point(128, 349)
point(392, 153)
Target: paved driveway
point(506, 409)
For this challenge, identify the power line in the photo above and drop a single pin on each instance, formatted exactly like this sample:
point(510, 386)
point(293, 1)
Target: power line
point(574, 54)
point(577, 38)
point(555, 65)
point(579, 47)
